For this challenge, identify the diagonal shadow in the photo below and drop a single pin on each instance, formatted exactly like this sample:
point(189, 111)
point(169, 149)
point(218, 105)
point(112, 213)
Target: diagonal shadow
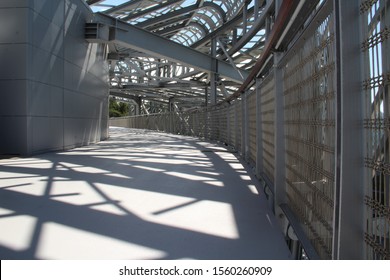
point(174, 223)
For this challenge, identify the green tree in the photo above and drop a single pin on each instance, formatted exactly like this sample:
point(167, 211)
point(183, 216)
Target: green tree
point(118, 108)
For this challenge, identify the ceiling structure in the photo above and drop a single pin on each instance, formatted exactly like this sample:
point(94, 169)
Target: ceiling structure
point(231, 32)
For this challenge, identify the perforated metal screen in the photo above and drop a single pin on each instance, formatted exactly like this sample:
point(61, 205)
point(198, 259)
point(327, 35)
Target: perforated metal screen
point(309, 112)
point(376, 84)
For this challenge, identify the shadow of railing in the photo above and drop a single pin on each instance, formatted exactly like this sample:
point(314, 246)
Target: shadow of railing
point(139, 195)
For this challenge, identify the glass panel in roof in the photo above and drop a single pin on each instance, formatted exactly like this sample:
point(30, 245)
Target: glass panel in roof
point(107, 4)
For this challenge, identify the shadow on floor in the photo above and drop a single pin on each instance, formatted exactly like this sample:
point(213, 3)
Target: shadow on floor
point(138, 195)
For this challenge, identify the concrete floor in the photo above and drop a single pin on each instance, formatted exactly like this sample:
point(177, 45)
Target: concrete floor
point(139, 195)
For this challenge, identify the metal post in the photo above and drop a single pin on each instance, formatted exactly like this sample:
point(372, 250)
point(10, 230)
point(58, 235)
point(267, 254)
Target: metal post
point(206, 97)
point(259, 128)
point(228, 129)
point(170, 105)
point(349, 187)
point(246, 125)
point(171, 114)
point(279, 140)
point(243, 125)
point(234, 36)
point(138, 101)
point(237, 125)
point(245, 19)
point(213, 75)
point(205, 113)
point(267, 26)
point(256, 7)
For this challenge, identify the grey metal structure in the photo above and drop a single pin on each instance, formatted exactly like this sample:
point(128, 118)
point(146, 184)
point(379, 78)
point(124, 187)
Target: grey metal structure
point(193, 53)
point(298, 88)
point(311, 117)
point(53, 86)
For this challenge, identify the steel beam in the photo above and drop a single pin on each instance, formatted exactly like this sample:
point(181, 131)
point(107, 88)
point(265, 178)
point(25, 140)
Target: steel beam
point(94, 2)
point(171, 29)
point(150, 10)
point(279, 141)
point(348, 240)
point(168, 16)
point(284, 14)
point(245, 126)
point(213, 76)
point(201, 27)
point(183, 18)
point(229, 57)
point(123, 6)
point(164, 85)
point(127, 35)
point(226, 26)
point(124, 94)
point(257, 25)
point(259, 130)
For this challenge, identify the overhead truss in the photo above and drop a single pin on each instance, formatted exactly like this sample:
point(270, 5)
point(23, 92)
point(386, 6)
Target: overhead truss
point(221, 41)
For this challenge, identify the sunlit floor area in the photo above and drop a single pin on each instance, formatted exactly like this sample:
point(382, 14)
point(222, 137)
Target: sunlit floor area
point(139, 195)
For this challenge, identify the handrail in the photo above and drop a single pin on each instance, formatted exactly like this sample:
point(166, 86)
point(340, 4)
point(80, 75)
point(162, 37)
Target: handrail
point(299, 232)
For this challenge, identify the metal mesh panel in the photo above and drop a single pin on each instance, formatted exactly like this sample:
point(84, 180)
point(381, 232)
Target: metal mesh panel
point(233, 126)
point(310, 135)
point(214, 125)
point(214, 128)
point(175, 123)
point(376, 48)
point(238, 107)
point(267, 124)
point(198, 123)
point(251, 101)
point(186, 125)
point(223, 125)
point(207, 120)
point(202, 122)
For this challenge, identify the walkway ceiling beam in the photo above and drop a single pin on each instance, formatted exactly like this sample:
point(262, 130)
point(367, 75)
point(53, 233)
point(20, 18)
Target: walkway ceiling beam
point(123, 6)
point(217, 8)
point(171, 29)
point(164, 85)
point(127, 35)
point(285, 12)
point(167, 16)
point(201, 27)
point(221, 45)
point(169, 23)
point(226, 26)
point(151, 10)
point(260, 22)
point(94, 2)
point(127, 94)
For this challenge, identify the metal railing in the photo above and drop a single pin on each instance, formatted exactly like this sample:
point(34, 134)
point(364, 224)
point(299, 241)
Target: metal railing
point(293, 123)
point(375, 47)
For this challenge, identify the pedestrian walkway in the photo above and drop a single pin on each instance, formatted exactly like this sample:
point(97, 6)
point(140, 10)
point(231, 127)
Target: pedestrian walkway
point(139, 195)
